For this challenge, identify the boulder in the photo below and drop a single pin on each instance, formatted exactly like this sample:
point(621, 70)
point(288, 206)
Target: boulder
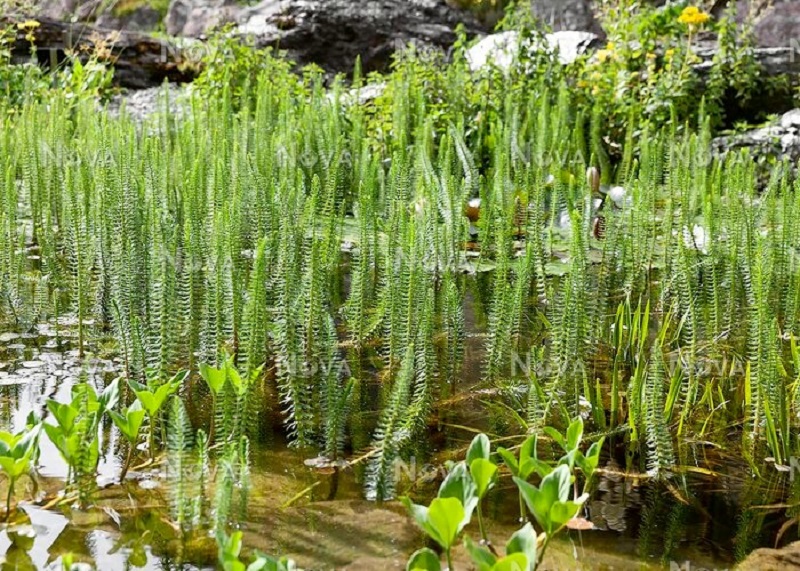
point(503, 49)
point(777, 140)
point(780, 26)
point(333, 33)
point(195, 18)
point(67, 10)
point(139, 60)
point(142, 18)
point(777, 22)
point(558, 15)
point(784, 559)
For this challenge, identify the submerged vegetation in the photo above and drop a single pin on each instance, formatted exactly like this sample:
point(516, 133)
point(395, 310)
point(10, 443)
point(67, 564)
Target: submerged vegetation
point(281, 250)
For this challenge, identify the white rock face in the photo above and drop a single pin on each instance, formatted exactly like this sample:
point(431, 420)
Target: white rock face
point(503, 49)
point(498, 49)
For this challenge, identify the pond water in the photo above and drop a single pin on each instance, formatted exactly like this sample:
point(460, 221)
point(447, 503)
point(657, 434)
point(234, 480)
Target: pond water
point(320, 517)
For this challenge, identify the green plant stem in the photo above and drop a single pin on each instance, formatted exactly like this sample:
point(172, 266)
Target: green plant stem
point(213, 418)
point(152, 437)
point(540, 555)
point(449, 558)
point(127, 464)
point(8, 499)
point(521, 508)
point(480, 524)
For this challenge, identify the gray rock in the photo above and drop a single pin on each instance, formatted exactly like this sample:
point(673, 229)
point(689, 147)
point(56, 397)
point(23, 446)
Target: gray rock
point(142, 19)
point(780, 26)
point(333, 33)
point(777, 22)
point(558, 15)
point(503, 49)
point(777, 140)
point(67, 10)
point(195, 18)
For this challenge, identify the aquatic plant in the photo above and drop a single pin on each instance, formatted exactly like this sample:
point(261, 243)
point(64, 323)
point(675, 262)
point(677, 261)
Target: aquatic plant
point(17, 455)
point(76, 432)
point(153, 396)
point(464, 487)
point(230, 548)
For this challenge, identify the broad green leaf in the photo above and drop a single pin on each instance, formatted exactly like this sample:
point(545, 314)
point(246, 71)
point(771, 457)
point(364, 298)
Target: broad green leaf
point(234, 377)
point(424, 560)
point(418, 512)
point(531, 465)
point(484, 474)
point(446, 517)
point(562, 512)
point(459, 484)
point(59, 440)
point(13, 468)
point(509, 460)
point(483, 559)
point(64, 414)
point(574, 434)
point(588, 463)
point(148, 401)
point(557, 483)
point(130, 423)
point(6, 443)
point(110, 396)
point(214, 378)
point(27, 442)
point(524, 541)
point(528, 449)
point(556, 436)
point(538, 502)
point(514, 562)
point(479, 448)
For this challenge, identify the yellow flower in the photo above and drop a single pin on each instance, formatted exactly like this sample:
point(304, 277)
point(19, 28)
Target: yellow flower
point(28, 25)
point(669, 53)
point(610, 46)
point(603, 55)
point(693, 16)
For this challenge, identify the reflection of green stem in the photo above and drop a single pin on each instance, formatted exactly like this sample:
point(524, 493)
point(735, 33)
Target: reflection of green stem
point(480, 524)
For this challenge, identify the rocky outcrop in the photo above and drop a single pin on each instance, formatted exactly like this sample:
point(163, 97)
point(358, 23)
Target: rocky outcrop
point(137, 17)
point(329, 33)
point(144, 18)
point(333, 33)
point(139, 60)
point(777, 140)
point(784, 559)
point(195, 18)
point(558, 15)
point(67, 10)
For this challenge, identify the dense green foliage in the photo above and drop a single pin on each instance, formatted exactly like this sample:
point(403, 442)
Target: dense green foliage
point(303, 254)
point(285, 235)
